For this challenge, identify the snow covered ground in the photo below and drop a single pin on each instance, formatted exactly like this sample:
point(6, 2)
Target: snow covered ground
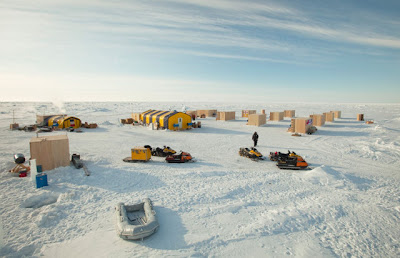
point(221, 205)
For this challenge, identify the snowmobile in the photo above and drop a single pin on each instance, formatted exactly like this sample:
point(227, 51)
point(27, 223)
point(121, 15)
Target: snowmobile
point(292, 162)
point(163, 152)
point(251, 153)
point(275, 156)
point(288, 160)
point(179, 158)
point(312, 130)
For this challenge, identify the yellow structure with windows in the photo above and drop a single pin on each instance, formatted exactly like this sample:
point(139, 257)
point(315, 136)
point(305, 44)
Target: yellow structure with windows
point(64, 122)
point(171, 120)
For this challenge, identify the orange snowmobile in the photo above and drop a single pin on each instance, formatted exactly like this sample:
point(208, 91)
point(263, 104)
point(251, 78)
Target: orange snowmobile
point(179, 158)
point(288, 160)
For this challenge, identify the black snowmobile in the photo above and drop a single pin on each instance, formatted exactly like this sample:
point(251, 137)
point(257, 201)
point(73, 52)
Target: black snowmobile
point(161, 152)
point(275, 156)
point(251, 153)
point(288, 160)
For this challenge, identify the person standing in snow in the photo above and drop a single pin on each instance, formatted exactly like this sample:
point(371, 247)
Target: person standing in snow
point(255, 138)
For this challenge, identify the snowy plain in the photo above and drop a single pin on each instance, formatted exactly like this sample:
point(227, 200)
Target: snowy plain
point(223, 205)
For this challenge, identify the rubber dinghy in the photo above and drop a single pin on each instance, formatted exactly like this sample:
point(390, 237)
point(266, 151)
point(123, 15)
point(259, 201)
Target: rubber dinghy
point(136, 221)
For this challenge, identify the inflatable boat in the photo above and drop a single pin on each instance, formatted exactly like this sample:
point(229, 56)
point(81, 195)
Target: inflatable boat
point(136, 221)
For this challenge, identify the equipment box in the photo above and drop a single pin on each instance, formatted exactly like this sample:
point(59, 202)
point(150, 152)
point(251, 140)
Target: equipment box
point(41, 180)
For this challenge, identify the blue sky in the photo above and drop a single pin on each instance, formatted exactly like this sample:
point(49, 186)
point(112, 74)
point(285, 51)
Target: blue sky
point(258, 51)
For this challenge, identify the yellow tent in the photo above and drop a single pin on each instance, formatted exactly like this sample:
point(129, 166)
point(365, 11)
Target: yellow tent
point(64, 122)
point(171, 120)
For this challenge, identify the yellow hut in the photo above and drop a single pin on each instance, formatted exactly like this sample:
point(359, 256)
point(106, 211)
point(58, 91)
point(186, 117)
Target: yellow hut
point(64, 122)
point(171, 120)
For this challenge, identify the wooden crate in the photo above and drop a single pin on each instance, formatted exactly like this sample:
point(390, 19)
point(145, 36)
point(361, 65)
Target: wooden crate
point(318, 119)
point(338, 114)
point(257, 119)
point(329, 117)
point(246, 113)
point(225, 116)
point(289, 113)
point(276, 116)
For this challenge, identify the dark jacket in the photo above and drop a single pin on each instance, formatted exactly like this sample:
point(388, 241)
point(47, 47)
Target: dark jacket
point(255, 136)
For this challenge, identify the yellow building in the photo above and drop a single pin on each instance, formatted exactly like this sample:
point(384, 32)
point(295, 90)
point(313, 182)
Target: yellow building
point(64, 122)
point(171, 120)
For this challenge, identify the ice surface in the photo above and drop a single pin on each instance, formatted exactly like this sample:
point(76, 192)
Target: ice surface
point(223, 204)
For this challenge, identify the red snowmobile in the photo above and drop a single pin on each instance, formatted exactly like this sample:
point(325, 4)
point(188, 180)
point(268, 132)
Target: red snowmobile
point(179, 158)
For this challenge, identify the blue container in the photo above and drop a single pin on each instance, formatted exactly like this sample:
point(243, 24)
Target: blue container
point(41, 180)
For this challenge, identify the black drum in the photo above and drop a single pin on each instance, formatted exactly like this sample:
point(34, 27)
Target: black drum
point(19, 158)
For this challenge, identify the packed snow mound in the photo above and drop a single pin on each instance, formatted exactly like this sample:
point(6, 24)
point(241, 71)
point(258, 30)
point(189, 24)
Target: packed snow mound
point(40, 200)
point(107, 123)
point(319, 176)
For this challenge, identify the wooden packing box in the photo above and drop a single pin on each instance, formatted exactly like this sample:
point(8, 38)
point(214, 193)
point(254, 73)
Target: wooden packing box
point(318, 119)
point(257, 119)
point(50, 151)
point(360, 117)
point(338, 114)
point(206, 113)
point(289, 113)
point(226, 115)
point(136, 117)
point(246, 113)
point(302, 124)
point(276, 116)
point(329, 117)
point(14, 126)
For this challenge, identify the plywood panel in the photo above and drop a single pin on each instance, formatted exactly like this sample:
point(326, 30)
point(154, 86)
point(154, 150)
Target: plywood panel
point(50, 151)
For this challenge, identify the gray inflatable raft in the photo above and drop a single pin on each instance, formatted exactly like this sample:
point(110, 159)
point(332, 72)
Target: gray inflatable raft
point(136, 221)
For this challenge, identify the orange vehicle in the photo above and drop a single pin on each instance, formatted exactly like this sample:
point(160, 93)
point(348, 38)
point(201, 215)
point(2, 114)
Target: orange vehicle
point(292, 162)
point(179, 158)
point(288, 160)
